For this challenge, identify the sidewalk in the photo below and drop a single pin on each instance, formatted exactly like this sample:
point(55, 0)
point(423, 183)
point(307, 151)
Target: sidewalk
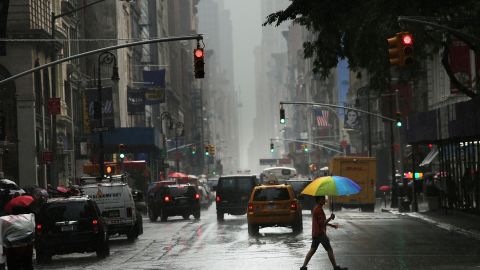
point(451, 220)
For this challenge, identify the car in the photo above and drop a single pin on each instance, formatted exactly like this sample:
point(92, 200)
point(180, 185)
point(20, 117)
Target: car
point(307, 202)
point(173, 200)
point(232, 194)
point(116, 203)
point(70, 224)
point(274, 205)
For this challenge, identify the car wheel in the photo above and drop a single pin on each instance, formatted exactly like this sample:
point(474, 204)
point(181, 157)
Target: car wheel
point(186, 216)
point(132, 234)
point(252, 229)
point(196, 214)
point(152, 215)
point(163, 215)
point(43, 256)
point(103, 250)
point(220, 216)
point(298, 225)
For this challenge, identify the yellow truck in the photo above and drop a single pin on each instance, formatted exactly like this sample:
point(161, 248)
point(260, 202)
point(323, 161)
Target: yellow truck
point(363, 171)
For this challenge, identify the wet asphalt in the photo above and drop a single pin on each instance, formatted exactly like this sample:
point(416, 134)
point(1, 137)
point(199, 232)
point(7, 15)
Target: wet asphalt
point(378, 240)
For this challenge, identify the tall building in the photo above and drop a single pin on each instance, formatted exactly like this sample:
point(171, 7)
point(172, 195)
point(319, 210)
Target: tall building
point(220, 118)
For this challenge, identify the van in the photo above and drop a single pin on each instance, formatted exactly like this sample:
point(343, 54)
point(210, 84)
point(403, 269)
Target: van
point(115, 201)
point(233, 193)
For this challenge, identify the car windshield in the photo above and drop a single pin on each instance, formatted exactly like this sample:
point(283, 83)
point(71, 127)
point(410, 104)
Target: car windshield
point(271, 194)
point(69, 211)
point(242, 184)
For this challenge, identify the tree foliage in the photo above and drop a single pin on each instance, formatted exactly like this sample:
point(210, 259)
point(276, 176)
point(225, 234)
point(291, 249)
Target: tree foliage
point(358, 30)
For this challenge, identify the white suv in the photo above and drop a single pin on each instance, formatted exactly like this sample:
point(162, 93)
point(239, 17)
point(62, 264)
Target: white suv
point(115, 201)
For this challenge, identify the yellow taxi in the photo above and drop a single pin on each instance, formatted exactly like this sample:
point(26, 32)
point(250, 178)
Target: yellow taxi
point(274, 204)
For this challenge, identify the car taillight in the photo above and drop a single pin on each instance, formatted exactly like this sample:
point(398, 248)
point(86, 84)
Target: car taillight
point(95, 225)
point(197, 196)
point(293, 205)
point(166, 199)
point(129, 212)
point(250, 207)
point(39, 228)
point(218, 199)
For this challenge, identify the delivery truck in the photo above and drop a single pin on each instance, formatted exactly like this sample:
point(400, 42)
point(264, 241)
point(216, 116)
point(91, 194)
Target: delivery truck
point(363, 171)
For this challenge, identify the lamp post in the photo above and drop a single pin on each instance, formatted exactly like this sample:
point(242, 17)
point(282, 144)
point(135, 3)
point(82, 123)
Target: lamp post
point(103, 58)
point(167, 116)
point(179, 128)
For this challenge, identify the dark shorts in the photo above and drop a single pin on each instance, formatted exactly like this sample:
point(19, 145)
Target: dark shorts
point(321, 239)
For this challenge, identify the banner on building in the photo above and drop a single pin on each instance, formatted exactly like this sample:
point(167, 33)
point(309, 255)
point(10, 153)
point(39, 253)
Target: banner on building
point(352, 119)
point(460, 64)
point(107, 122)
point(154, 95)
point(136, 101)
point(154, 78)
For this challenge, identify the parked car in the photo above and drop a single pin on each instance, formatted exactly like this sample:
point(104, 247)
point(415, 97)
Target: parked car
point(232, 194)
point(67, 225)
point(174, 200)
point(115, 201)
point(274, 205)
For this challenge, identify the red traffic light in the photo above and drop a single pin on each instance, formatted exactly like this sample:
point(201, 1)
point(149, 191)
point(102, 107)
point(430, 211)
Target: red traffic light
point(407, 39)
point(198, 53)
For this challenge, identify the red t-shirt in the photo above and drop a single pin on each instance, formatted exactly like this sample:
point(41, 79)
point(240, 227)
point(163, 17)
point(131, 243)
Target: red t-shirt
point(318, 222)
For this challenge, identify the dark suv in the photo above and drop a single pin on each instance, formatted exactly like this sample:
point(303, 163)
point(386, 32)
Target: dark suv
point(307, 202)
point(173, 200)
point(233, 192)
point(67, 225)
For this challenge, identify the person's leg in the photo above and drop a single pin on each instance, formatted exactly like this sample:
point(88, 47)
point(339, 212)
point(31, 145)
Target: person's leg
point(313, 249)
point(331, 257)
point(308, 257)
point(27, 258)
point(12, 259)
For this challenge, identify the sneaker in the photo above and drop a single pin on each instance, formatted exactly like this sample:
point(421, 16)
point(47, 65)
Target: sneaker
point(303, 268)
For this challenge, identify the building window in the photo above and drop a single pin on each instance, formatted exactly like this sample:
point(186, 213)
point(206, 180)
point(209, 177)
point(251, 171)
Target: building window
point(40, 15)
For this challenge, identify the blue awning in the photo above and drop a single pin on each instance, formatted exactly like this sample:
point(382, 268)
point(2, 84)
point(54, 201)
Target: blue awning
point(140, 136)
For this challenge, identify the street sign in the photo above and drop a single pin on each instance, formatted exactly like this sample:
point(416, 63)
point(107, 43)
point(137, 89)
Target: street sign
point(54, 106)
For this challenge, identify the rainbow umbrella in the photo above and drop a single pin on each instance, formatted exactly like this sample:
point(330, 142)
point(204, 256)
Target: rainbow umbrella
point(331, 186)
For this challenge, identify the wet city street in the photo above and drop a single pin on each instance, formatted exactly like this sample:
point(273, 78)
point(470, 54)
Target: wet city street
point(379, 240)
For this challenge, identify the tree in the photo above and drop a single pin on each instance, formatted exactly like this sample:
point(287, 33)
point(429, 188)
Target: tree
point(358, 29)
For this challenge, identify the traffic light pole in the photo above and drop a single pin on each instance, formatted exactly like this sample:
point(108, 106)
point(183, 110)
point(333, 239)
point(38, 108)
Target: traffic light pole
point(111, 48)
point(338, 106)
point(307, 142)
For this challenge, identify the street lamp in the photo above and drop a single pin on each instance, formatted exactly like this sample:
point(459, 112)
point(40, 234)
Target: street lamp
point(179, 128)
point(104, 58)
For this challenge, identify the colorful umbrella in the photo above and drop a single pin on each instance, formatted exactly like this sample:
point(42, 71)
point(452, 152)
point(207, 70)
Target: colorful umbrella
point(331, 186)
point(20, 201)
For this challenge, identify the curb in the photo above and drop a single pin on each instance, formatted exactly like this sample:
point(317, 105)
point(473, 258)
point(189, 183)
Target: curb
point(442, 225)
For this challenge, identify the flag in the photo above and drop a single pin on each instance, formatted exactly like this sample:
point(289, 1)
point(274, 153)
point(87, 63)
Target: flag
point(322, 117)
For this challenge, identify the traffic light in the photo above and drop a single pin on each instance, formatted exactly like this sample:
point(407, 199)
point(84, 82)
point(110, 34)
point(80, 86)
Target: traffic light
point(401, 49)
point(272, 147)
point(407, 48)
point(121, 151)
point(398, 117)
point(194, 150)
point(212, 150)
point(282, 116)
point(207, 150)
point(110, 170)
point(305, 148)
point(199, 63)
